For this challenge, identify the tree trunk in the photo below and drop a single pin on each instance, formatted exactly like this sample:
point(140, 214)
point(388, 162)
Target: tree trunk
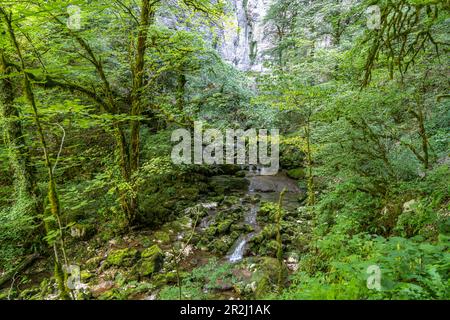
point(310, 178)
point(136, 103)
point(24, 172)
point(52, 192)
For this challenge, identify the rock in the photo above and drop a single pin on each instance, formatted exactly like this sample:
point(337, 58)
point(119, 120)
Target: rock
point(209, 205)
point(223, 184)
point(229, 169)
point(241, 173)
point(273, 184)
point(292, 261)
point(102, 288)
point(167, 278)
point(151, 261)
point(150, 297)
point(122, 257)
point(231, 201)
point(161, 237)
point(409, 206)
point(242, 227)
point(222, 285)
point(297, 173)
point(224, 226)
point(82, 231)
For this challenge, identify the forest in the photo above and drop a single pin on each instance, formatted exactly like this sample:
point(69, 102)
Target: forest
point(338, 188)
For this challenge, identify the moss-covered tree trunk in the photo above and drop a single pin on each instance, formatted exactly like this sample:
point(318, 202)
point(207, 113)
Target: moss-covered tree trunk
point(309, 163)
point(52, 192)
point(24, 171)
point(146, 19)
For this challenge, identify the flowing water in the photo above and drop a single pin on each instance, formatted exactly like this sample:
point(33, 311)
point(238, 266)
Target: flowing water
point(238, 251)
point(268, 188)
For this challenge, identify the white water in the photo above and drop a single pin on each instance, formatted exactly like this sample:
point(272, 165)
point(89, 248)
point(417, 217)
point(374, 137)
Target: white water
point(238, 252)
point(268, 187)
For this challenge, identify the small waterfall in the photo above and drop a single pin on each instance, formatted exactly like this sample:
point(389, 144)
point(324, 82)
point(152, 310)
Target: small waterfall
point(239, 248)
point(238, 252)
point(268, 188)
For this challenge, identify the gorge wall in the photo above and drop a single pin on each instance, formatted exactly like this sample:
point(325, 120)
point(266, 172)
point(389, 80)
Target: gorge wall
point(243, 37)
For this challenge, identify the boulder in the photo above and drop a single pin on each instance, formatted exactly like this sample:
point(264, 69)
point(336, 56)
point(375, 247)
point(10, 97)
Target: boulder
point(122, 257)
point(161, 236)
point(222, 184)
point(151, 261)
point(297, 173)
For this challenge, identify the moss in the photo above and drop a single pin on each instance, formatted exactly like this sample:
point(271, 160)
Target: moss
point(241, 174)
point(161, 236)
point(122, 257)
point(219, 246)
point(168, 278)
point(222, 184)
point(151, 261)
point(231, 201)
point(266, 277)
point(211, 231)
point(297, 173)
point(93, 263)
point(188, 193)
point(224, 226)
point(112, 294)
point(85, 275)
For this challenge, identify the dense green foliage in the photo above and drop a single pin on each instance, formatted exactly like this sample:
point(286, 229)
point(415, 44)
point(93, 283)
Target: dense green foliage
point(86, 117)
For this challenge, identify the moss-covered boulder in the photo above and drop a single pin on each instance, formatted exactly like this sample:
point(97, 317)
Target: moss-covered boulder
point(151, 261)
point(161, 236)
point(171, 277)
point(231, 201)
point(223, 244)
point(223, 184)
point(224, 226)
point(122, 257)
point(241, 173)
point(297, 173)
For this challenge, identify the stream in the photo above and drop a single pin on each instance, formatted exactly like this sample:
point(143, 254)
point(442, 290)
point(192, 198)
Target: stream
point(268, 188)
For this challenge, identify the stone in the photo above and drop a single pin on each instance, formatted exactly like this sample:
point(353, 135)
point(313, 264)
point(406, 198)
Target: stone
point(151, 261)
point(409, 205)
point(94, 262)
point(222, 184)
point(161, 236)
point(82, 231)
point(122, 257)
point(224, 226)
point(297, 173)
point(102, 287)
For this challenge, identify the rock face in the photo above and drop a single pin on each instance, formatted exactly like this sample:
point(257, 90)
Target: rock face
point(243, 35)
point(240, 36)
